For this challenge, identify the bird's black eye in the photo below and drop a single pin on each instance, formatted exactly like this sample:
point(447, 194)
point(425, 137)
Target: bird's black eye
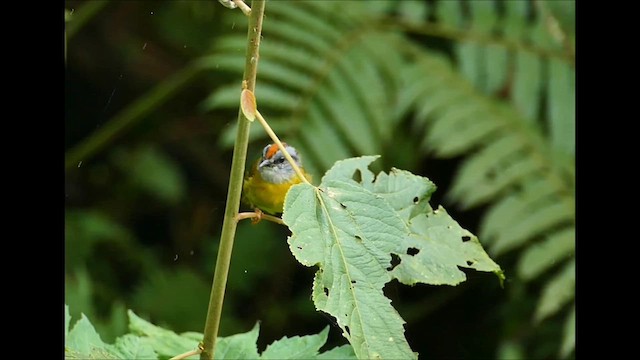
point(279, 160)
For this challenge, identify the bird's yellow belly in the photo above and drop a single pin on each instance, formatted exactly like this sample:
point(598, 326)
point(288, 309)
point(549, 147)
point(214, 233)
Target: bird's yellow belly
point(268, 197)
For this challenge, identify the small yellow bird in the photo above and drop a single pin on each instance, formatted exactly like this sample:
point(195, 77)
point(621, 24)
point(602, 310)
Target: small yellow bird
point(270, 178)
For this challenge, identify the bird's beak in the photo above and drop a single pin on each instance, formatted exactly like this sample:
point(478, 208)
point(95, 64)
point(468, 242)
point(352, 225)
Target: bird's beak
point(263, 164)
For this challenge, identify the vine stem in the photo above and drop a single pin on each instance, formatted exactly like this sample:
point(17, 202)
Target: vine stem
point(187, 354)
point(249, 108)
point(236, 178)
point(256, 215)
point(281, 146)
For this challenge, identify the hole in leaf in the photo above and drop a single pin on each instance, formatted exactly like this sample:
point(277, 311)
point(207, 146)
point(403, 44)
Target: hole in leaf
point(346, 328)
point(469, 262)
point(358, 238)
point(357, 176)
point(343, 205)
point(299, 247)
point(466, 238)
point(412, 251)
point(395, 261)
point(326, 292)
point(415, 200)
point(353, 281)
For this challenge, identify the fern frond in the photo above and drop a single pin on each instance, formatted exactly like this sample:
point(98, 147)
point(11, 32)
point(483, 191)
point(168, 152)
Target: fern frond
point(320, 75)
point(540, 257)
point(558, 292)
point(509, 163)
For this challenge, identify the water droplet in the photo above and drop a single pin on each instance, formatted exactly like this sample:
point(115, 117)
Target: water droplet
point(80, 163)
point(245, 271)
point(152, 13)
point(175, 258)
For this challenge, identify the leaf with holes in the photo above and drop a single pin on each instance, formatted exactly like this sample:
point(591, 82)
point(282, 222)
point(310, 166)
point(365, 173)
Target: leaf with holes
point(363, 231)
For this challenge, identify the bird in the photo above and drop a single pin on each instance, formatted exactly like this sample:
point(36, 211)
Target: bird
point(269, 179)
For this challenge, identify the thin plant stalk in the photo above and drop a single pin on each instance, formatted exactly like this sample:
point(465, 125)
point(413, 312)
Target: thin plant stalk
point(236, 178)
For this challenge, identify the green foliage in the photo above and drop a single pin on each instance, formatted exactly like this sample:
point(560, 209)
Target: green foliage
point(148, 341)
point(502, 96)
point(488, 85)
point(351, 229)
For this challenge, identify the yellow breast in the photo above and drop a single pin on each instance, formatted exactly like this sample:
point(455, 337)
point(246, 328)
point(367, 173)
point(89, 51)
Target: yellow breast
point(269, 197)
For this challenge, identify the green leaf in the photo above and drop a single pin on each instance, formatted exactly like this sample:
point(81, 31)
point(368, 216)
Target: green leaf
point(437, 247)
point(561, 107)
point(527, 84)
point(540, 257)
point(557, 292)
point(349, 283)
point(344, 352)
point(350, 226)
point(134, 347)
point(164, 342)
point(297, 347)
point(170, 285)
point(539, 220)
point(167, 343)
point(238, 346)
point(415, 11)
point(569, 338)
point(84, 342)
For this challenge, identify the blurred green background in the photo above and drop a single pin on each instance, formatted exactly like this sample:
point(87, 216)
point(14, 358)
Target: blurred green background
point(478, 96)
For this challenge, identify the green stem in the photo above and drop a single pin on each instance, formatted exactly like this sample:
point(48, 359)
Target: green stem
point(130, 115)
point(235, 187)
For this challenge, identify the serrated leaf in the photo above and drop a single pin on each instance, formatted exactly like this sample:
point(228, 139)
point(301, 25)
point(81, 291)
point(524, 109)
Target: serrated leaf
point(344, 352)
point(557, 292)
point(132, 347)
point(84, 342)
point(297, 347)
point(352, 274)
point(437, 247)
point(238, 346)
point(164, 342)
point(351, 225)
point(407, 193)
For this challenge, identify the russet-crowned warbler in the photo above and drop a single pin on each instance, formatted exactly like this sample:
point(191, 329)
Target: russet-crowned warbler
point(270, 178)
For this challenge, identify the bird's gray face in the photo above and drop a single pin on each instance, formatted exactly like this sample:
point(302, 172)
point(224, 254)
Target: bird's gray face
point(275, 168)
